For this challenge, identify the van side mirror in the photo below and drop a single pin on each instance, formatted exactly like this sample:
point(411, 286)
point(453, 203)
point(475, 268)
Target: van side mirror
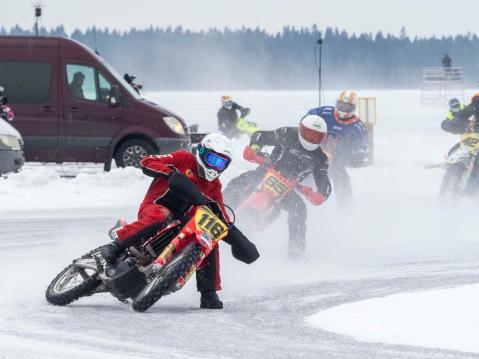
point(114, 99)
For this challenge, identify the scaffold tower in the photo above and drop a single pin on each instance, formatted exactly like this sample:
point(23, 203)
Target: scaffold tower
point(439, 84)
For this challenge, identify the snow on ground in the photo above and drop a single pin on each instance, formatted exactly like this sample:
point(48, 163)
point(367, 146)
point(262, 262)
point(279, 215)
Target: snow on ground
point(447, 319)
point(396, 216)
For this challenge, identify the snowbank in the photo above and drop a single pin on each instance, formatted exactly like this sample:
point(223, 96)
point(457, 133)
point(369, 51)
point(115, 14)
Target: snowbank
point(36, 188)
point(446, 319)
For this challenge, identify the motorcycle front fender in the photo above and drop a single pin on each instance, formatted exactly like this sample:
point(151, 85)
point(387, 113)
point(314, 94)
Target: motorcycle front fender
point(462, 154)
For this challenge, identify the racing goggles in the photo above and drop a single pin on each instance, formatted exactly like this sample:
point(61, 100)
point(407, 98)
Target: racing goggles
point(214, 160)
point(228, 105)
point(345, 107)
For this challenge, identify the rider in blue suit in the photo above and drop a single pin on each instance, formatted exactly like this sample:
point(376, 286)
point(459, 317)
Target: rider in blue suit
point(347, 142)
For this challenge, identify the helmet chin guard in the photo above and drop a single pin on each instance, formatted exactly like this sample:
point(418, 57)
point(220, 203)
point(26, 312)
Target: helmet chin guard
point(312, 130)
point(213, 156)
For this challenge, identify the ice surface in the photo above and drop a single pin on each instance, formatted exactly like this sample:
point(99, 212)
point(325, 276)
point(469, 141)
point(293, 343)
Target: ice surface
point(396, 221)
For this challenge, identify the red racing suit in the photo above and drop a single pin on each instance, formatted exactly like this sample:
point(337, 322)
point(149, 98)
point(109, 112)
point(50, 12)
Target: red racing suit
point(152, 214)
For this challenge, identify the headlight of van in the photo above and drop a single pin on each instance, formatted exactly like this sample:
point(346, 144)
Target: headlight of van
point(174, 124)
point(11, 142)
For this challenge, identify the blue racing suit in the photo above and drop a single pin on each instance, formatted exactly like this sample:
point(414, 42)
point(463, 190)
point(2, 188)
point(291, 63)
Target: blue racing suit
point(348, 145)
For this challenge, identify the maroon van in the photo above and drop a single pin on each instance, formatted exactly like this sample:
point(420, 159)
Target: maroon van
point(72, 106)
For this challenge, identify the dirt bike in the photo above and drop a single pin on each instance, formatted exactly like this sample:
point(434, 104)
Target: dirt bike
point(246, 127)
point(459, 165)
point(159, 266)
point(261, 207)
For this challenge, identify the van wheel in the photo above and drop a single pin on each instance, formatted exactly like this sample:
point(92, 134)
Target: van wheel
point(132, 152)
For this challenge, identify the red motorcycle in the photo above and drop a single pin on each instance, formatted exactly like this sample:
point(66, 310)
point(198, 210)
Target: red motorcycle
point(262, 205)
point(159, 266)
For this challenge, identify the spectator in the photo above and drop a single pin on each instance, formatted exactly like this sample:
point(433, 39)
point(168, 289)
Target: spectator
point(76, 86)
point(446, 61)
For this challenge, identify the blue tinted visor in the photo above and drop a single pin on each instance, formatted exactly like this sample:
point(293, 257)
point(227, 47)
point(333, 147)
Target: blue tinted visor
point(216, 161)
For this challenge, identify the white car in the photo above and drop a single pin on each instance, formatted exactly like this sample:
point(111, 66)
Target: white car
point(11, 148)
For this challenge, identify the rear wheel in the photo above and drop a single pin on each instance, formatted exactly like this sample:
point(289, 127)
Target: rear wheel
point(132, 152)
point(72, 283)
point(163, 283)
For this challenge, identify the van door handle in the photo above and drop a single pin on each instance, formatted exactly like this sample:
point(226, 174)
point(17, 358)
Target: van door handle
point(72, 109)
point(48, 108)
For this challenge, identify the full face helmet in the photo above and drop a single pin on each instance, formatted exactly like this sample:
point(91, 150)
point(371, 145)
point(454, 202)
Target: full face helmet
point(227, 102)
point(454, 105)
point(346, 104)
point(213, 155)
point(311, 132)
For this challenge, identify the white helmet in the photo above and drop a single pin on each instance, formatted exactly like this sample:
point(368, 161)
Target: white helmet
point(213, 155)
point(346, 104)
point(311, 132)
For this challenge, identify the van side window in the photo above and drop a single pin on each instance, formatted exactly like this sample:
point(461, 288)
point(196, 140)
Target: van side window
point(81, 82)
point(26, 82)
point(104, 88)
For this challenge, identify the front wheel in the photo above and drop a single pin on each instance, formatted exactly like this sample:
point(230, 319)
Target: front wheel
point(132, 152)
point(163, 283)
point(73, 282)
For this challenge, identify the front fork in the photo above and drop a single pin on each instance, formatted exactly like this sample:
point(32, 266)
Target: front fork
point(176, 246)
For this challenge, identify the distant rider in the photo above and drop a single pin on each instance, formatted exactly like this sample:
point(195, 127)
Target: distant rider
point(160, 206)
point(456, 122)
point(462, 123)
point(347, 142)
point(228, 117)
point(296, 154)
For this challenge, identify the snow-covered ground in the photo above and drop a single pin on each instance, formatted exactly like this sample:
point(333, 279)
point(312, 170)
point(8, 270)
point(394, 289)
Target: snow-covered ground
point(397, 237)
point(447, 319)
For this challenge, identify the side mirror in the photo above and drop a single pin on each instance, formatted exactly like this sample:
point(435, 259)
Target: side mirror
point(114, 99)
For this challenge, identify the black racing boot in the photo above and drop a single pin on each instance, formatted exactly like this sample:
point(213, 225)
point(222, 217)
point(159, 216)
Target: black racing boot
point(210, 300)
point(111, 251)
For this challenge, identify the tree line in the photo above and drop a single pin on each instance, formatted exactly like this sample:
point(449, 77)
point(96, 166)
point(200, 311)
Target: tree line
point(179, 59)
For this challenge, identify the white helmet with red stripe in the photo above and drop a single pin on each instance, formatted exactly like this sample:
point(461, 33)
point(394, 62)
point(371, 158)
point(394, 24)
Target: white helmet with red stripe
point(346, 104)
point(312, 131)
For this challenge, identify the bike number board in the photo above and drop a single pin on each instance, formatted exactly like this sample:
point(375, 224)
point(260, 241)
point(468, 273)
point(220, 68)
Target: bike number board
point(275, 184)
point(470, 140)
point(210, 224)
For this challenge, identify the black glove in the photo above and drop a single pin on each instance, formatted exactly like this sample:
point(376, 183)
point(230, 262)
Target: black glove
point(241, 247)
point(246, 111)
point(357, 158)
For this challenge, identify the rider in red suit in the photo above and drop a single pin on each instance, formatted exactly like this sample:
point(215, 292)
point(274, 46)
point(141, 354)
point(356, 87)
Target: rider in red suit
point(160, 205)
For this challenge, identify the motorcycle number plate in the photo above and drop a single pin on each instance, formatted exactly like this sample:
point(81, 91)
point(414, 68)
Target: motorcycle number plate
point(275, 184)
point(470, 140)
point(210, 224)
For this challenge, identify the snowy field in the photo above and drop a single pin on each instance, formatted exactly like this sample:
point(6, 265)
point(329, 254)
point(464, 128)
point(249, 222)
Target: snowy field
point(353, 298)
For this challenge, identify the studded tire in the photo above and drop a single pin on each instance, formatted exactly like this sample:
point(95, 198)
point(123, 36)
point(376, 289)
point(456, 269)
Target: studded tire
point(165, 281)
point(87, 287)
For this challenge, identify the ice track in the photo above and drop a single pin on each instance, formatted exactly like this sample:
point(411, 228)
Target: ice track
point(266, 324)
point(396, 238)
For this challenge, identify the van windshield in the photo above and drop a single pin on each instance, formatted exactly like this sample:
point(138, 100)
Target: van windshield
point(121, 80)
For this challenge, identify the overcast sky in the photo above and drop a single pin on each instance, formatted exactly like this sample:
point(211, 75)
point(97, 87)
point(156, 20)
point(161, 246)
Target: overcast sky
point(420, 17)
